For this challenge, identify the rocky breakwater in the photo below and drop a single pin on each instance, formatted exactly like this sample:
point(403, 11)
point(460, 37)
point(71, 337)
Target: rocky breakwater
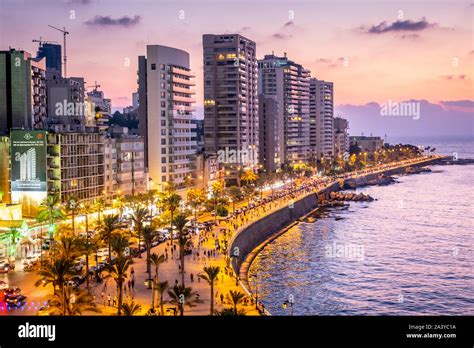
point(349, 196)
point(380, 179)
point(417, 170)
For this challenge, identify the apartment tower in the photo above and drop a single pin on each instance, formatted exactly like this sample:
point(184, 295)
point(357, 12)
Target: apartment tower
point(231, 101)
point(288, 82)
point(166, 90)
point(322, 118)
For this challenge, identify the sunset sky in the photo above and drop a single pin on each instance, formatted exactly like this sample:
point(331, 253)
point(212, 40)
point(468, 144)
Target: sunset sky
point(374, 51)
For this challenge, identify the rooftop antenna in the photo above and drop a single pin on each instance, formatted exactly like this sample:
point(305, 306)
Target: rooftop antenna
point(63, 30)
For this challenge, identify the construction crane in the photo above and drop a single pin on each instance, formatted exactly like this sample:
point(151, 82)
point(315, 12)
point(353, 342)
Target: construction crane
point(63, 30)
point(95, 86)
point(41, 41)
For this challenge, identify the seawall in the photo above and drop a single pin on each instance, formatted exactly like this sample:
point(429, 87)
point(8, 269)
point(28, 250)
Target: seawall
point(250, 240)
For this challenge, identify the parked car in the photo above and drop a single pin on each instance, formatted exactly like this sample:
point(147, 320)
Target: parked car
point(76, 281)
point(4, 267)
point(16, 300)
point(3, 285)
point(12, 291)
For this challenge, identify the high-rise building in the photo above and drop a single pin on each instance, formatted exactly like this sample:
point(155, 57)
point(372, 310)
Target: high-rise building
point(288, 82)
point(142, 103)
point(341, 136)
point(124, 163)
point(66, 105)
point(269, 133)
point(98, 109)
point(52, 53)
point(168, 96)
point(367, 144)
point(231, 100)
point(4, 169)
point(23, 94)
point(75, 165)
point(322, 118)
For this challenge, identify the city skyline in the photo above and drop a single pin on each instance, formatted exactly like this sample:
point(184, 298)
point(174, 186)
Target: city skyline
point(375, 55)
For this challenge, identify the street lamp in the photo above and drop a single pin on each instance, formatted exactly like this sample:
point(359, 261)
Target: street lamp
point(287, 303)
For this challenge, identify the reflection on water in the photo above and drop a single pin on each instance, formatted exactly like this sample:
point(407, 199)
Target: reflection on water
point(408, 253)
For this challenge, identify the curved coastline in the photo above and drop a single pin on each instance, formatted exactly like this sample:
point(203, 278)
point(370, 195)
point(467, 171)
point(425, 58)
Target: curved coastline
point(253, 238)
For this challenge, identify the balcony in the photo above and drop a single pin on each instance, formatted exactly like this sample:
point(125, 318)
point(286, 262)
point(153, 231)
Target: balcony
point(183, 90)
point(182, 81)
point(180, 71)
point(178, 98)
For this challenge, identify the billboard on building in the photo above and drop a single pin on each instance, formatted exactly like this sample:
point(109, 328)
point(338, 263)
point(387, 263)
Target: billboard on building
point(28, 161)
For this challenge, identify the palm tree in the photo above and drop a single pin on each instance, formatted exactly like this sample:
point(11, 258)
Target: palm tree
point(184, 240)
point(182, 296)
point(235, 298)
point(87, 248)
point(156, 261)
point(107, 229)
point(216, 195)
point(139, 216)
point(235, 194)
point(71, 206)
point(14, 236)
point(211, 275)
point(68, 247)
point(119, 244)
point(57, 273)
point(119, 204)
point(99, 205)
point(50, 211)
point(131, 308)
point(195, 198)
point(171, 203)
point(161, 287)
point(119, 273)
point(148, 236)
point(85, 209)
point(74, 302)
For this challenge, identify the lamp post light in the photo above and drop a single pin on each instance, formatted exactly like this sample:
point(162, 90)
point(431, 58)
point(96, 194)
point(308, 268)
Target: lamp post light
point(287, 303)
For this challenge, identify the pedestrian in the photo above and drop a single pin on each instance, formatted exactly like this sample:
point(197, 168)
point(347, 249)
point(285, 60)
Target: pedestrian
point(115, 301)
point(108, 299)
point(192, 277)
point(102, 295)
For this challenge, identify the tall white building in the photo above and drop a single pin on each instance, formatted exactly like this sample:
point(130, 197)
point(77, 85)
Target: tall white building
point(166, 87)
point(288, 82)
point(230, 99)
point(322, 118)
